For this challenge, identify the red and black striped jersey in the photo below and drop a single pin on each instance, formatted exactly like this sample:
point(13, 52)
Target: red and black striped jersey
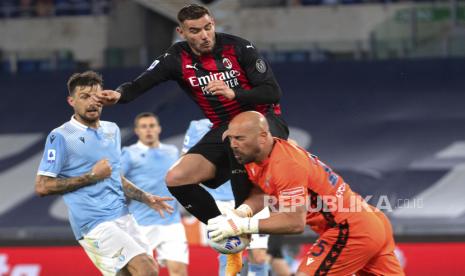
point(233, 59)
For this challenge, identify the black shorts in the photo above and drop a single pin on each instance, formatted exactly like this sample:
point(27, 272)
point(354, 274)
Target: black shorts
point(217, 151)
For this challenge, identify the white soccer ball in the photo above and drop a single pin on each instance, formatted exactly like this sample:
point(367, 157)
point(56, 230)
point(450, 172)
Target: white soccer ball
point(229, 245)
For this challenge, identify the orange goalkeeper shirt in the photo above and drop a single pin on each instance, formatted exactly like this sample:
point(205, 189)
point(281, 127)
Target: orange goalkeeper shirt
point(291, 176)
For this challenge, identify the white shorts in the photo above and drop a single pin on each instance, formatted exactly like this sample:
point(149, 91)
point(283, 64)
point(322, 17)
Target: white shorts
point(259, 241)
point(169, 241)
point(112, 244)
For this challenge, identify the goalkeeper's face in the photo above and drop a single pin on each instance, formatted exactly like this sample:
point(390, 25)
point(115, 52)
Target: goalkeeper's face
point(245, 142)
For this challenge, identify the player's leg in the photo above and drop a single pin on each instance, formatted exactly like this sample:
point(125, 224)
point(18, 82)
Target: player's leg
point(170, 243)
point(183, 182)
point(278, 264)
point(173, 251)
point(112, 246)
point(142, 265)
point(258, 257)
point(280, 267)
point(199, 165)
point(258, 262)
point(176, 268)
point(338, 251)
point(385, 262)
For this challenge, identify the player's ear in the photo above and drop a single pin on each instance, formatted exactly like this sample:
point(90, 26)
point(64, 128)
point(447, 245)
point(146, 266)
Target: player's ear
point(180, 31)
point(70, 100)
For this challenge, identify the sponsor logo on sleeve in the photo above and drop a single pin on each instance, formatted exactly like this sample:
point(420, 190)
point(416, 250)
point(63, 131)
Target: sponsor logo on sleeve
point(51, 155)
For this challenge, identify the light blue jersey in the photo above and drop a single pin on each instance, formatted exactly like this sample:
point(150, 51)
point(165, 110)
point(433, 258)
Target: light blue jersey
point(146, 168)
point(195, 132)
point(72, 150)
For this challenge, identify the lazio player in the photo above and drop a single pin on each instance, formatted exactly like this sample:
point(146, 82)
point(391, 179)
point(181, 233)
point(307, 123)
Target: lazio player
point(146, 163)
point(81, 161)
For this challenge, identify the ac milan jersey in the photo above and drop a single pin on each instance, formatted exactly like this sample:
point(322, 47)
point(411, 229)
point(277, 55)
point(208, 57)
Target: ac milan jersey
point(233, 60)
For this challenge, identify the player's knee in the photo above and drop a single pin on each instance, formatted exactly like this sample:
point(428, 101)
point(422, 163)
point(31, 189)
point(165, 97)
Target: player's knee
point(144, 266)
point(178, 269)
point(174, 178)
point(258, 256)
point(150, 268)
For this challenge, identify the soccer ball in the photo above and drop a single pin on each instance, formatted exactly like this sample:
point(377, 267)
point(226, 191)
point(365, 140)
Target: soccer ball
point(230, 245)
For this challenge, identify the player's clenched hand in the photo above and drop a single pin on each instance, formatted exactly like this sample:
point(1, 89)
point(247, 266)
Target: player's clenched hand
point(101, 170)
point(158, 203)
point(107, 97)
point(219, 87)
point(230, 224)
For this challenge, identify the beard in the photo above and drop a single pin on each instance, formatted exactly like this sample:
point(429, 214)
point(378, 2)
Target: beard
point(243, 158)
point(88, 118)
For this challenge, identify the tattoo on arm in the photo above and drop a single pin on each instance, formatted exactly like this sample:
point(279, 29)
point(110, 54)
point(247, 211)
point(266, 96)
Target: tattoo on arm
point(46, 185)
point(132, 191)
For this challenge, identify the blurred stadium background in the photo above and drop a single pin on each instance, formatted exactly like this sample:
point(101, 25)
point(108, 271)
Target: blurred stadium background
point(376, 88)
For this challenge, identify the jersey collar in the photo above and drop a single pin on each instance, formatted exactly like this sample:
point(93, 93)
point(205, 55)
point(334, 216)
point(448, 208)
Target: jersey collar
point(80, 125)
point(141, 146)
point(77, 124)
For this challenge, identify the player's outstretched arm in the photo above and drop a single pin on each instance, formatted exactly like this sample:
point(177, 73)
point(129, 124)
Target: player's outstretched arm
point(107, 97)
point(46, 185)
point(155, 202)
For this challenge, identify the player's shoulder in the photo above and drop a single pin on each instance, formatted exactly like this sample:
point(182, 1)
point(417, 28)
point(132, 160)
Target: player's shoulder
point(130, 148)
point(109, 125)
point(198, 125)
point(178, 46)
point(233, 39)
point(169, 148)
point(174, 51)
point(286, 157)
point(62, 131)
point(130, 153)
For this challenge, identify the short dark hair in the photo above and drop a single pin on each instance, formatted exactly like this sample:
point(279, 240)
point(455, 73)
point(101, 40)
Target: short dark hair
point(192, 12)
point(87, 78)
point(145, 115)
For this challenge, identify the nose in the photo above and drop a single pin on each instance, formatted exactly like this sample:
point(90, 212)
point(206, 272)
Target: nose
point(203, 35)
point(233, 143)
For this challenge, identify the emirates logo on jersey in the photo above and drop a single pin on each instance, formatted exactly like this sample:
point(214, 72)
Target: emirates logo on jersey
point(229, 77)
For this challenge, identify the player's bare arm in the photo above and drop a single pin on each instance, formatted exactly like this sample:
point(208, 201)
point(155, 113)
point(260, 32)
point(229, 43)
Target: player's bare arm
point(292, 222)
point(155, 202)
point(46, 185)
point(253, 204)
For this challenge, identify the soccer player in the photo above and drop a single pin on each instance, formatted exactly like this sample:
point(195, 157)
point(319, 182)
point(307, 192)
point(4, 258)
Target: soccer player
point(225, 199)
point(81, 161)
point(145, 164)
point(354, 236)
point(224, 75)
